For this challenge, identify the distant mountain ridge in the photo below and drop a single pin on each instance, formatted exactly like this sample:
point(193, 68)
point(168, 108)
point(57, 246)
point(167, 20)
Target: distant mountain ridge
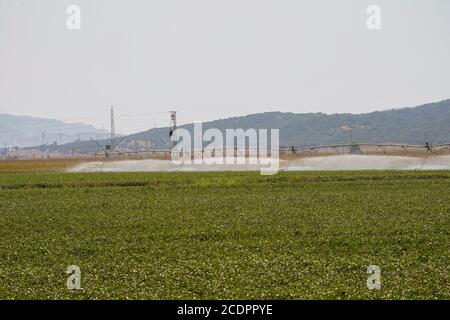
point(26, 131)
point(415, 125)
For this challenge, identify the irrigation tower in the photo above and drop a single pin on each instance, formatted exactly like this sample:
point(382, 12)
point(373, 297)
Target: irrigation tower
point(110, 147)
point(173, 127)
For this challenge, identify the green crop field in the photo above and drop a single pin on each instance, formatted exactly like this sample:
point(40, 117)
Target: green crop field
point(225, 235)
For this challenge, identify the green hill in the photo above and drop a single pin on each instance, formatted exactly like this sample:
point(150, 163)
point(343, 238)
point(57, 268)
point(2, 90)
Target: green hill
point(425, 123)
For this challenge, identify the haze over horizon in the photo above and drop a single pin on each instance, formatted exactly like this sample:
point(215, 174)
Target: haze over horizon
point(218, 59)
point(226, 117)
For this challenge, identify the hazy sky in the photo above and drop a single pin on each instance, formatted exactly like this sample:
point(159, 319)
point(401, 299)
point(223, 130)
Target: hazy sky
point(212, 59)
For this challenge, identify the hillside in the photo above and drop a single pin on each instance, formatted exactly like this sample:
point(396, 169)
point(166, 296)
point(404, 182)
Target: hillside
point(425, 123)
point(30, 131)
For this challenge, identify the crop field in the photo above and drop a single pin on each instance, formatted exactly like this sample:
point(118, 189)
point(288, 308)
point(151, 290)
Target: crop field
point(37, 165)
point(224, 235)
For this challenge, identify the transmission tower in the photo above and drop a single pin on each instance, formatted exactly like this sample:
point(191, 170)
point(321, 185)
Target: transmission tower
point(113, 130)
point(43, 133)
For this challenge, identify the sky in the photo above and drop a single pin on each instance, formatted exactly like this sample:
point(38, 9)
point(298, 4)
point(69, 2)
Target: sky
point(212, 59)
